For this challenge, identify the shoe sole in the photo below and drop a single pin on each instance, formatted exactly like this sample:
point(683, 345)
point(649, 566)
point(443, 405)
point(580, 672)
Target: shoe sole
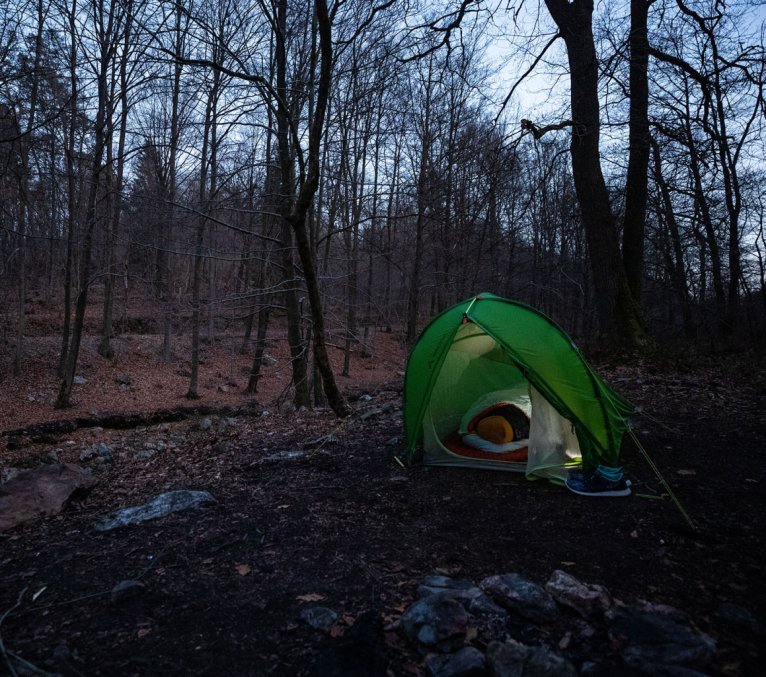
point(612, 493)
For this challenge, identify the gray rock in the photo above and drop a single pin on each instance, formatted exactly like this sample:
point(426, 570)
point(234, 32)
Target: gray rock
point(516, 593)
point(646, 639)
point(46, 490)
point(590, 601)
point(105, 451)
point(125, 590)
point(513, 659)
point(206, 423)
point(365, 398)
point(437, 621)
point(460, 589)
point(146, 454)
point(319, 617)
point(484, 606)
point(79, 380)
point(467, 662)
point(160, 506)
point(506, 659)
point(543, 662)
point(98, 451)
point(7, 474)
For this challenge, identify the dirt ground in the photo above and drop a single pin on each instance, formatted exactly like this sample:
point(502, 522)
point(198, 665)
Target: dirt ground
point(346, 527)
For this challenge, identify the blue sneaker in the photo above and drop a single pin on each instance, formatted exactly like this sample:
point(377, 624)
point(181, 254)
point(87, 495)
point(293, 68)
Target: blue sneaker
point(604, 481)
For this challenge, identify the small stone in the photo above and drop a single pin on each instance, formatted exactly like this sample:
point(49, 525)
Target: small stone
point(393, 441)
point(125, 590)
point(319, 617)
point(467, 662)
point(365, 398)
point(223, 389)
point(206, 423)
point(146, 454)
point(105, 452)
point(79, 380)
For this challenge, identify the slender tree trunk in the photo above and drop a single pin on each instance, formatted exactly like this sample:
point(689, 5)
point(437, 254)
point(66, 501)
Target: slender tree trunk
point(71, 191)
point(199, 242)
point(260, 347)
point(24, 207)
point(65, 391)
point(413, 297)
point(679, 267)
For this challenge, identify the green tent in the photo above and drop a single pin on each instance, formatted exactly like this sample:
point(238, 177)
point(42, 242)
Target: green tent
point(488, 348)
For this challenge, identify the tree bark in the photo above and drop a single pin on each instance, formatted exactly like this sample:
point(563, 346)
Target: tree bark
point(620, 317)
point(634, 223)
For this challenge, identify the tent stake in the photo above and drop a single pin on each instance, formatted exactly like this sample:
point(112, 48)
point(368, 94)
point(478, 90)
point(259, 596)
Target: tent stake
point(656, 470)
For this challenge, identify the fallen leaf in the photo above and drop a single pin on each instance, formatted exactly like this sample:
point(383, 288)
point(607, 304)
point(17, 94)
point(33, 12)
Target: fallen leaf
point(243, 569)
point(209, 560)
point(348, 619)
point(337, 631)
point(310, 597)
point(143, 632)
point(686, 472)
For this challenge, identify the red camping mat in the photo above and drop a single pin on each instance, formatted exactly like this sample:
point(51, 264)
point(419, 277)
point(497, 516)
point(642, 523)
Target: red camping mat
point(454, 442)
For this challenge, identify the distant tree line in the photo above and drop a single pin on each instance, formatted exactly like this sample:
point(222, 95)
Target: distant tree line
point(352, 166)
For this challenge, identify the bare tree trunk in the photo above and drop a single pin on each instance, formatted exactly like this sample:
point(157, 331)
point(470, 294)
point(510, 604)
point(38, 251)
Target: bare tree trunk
point(65, 391)
point(680, 283)
point(634, 222)
point(260, 346)
point(619, 314)
point(71, 191)
point(24, 207)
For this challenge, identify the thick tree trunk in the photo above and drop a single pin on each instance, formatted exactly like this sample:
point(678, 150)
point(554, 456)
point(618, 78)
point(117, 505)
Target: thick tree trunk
point(620, 316)
point(634, 223)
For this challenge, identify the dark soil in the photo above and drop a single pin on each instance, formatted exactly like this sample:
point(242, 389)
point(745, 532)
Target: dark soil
point(346, 527)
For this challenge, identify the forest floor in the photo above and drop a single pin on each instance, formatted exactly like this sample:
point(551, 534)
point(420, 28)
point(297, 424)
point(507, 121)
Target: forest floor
point(342, 524)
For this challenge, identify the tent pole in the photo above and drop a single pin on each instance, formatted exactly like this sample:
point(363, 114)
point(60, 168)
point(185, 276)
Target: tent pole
point(656, 471)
